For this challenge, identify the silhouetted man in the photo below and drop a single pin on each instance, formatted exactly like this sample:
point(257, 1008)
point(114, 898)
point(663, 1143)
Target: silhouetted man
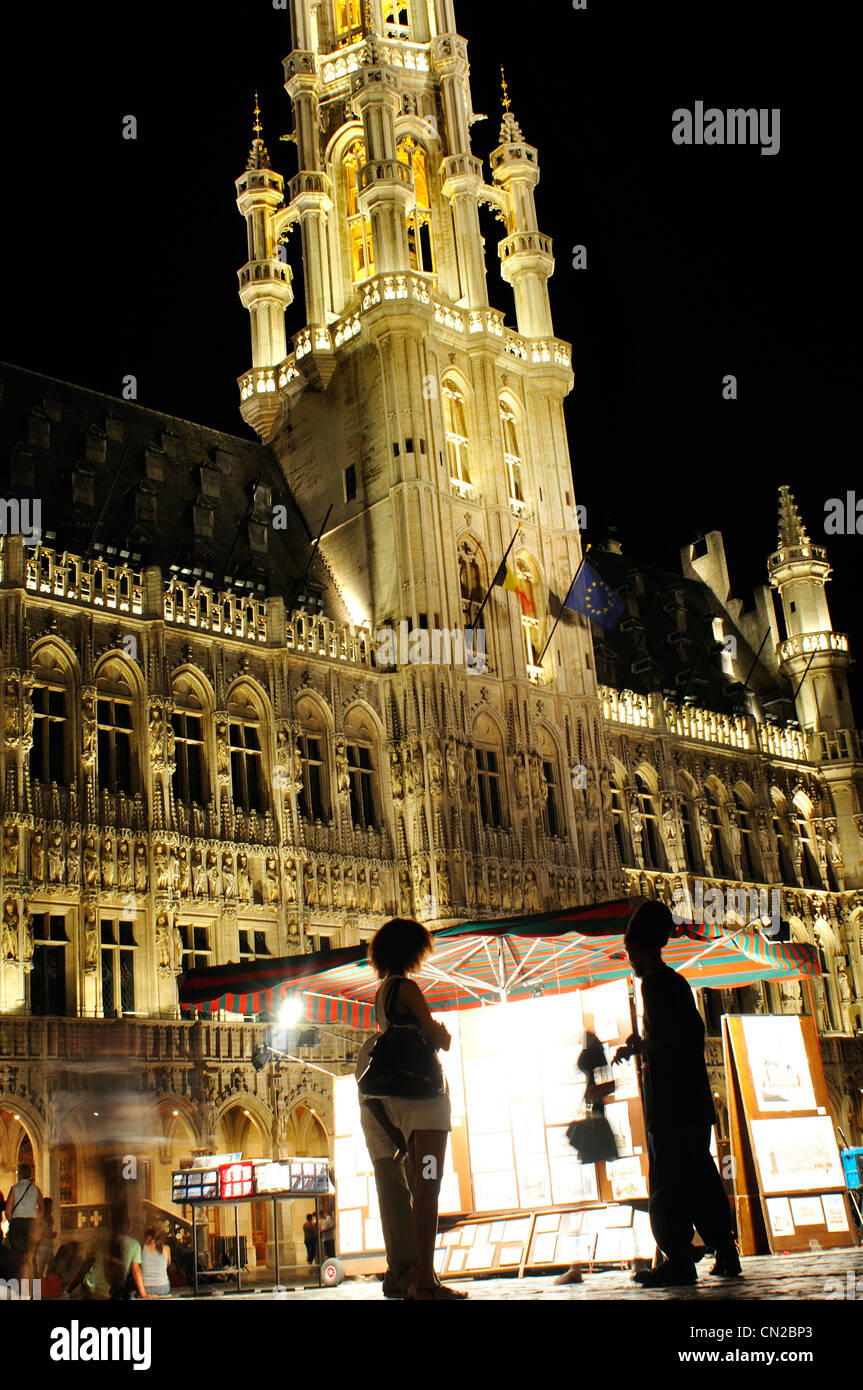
point(685, 1187)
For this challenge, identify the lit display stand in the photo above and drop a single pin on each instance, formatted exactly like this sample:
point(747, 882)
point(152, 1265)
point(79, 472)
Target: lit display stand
point(513, 1185)
point(230, 1184)
point(790, 1186)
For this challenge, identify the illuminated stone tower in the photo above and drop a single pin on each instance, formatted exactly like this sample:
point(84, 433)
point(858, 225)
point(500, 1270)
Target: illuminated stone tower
point(816, 661)
point(434, 431)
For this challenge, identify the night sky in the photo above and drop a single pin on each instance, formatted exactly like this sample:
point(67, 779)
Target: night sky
point(121, 257)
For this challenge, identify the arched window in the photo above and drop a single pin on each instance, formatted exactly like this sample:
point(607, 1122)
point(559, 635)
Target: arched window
point(749, 855)
point(511, 452)
point(620, 821)
point(532, 613)
point(116, 733)
point(811, 873)
point(457, 437)
point(650, 840)
point(187, 721)
point(313, 799)
point(359, 227)
point(420, 242)
point(50, 753)
point(397, 19)
point(245, 737)
point(551, 814)
point(780, 830)
point(691, 843)
point(349, 22)
point(489, 768)
point(722, 861)
point(361, 741)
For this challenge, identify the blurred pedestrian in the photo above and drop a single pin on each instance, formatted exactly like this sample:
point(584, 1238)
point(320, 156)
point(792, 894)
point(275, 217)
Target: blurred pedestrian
point(46, 1234)
point(23, 1206)
point(155, 1261)
point(685, 1187)
point(310, 1237)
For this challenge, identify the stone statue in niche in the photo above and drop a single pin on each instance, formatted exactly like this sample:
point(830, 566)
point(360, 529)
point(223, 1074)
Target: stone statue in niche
point(124, 864)
point(11, 843)
point(434, 759)
point(323, 887)
point(537, 779)
point(244, 883)
point(10, 930)
point(141, 870)
point(376, 892)
point(425, 887)
point(406, 905)
point(37, 857)
point(56, 858)
point(178, 948)
point(362, 891)
point(479, 884)
point(443, 886)
point(223, 751)
point(199, 873)
point(452, 767)
point(517, 893)
point(291, 881)
point(11, 719)
point(73, 862)
point(271, 879)
point(229, 880)
point(505, 890)
point(161, 868)
point(173, 869)
point(338, 891)
point(107, 857)
point(343, 776)
point(493, 892)
point(29, 943)
point(522, 785)
point(163, 944)
point(183, 870)
point(396, 774)
point(310, 887)
point(350, 888)
point(213, 873)
point(531, 892)
point(91, 941)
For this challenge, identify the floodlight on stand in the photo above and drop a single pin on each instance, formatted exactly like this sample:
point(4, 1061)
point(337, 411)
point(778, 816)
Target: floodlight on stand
point(261, 1057)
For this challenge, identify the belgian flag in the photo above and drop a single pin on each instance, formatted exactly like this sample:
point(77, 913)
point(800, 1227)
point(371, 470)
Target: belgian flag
point(505, 579)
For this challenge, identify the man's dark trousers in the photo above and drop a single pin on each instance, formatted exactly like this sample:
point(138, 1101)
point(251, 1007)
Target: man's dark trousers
point(685, 1191)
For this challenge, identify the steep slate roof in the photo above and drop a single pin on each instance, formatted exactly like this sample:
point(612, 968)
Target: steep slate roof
point(149, 472)
point(648, 651)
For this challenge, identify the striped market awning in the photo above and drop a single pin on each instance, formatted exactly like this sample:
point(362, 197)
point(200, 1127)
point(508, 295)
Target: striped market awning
point(478, 963)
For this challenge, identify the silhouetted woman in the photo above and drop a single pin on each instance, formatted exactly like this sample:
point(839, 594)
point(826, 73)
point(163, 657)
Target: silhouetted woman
point(397, 950)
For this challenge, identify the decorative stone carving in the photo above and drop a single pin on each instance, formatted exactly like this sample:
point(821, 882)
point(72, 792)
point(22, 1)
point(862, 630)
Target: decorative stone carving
point(89, 731)
point(199, 873)
point(493, 892)
point(223, 751)
point(517, 893)
point(443, 886)
point(505, 889)
point(425, 887)
point(362, 890)
point(343, 776)
point(141, 871)
point(107, 861)
point(396, 779)
point(178, 949)
point(310, 888)
point(522, 781)
point(531, 892)
point(291, 881)
point(537, 779)
point(183, 871)
point(323, 887)
point(350, 888)
point(406, 905)
point(124, 864)
point(163, 944)
point(11, 719)
point(161, 868)
point(452, 767)
point(229, 881)
point(434, 759)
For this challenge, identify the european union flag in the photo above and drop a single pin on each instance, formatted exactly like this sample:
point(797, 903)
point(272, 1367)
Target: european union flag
point(591, 596)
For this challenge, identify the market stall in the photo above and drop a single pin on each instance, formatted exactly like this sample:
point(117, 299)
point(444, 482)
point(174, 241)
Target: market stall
point(517, 996)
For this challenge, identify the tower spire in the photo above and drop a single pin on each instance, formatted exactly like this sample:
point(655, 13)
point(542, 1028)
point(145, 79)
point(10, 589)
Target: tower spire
point(792, 531)
point(258, 154)
point(510, 129)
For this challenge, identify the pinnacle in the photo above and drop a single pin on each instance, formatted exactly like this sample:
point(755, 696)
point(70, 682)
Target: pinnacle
point(792, 531)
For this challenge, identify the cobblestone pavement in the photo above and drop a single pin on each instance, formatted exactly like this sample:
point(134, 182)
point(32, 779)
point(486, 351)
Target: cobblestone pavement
point(769, 1277)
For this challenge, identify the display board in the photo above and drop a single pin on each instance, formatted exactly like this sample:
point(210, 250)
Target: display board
point(514, 1088)
point(789, 1182)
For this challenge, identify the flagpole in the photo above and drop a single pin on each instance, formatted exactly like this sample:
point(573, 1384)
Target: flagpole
point(491, 585)
point(562, 606)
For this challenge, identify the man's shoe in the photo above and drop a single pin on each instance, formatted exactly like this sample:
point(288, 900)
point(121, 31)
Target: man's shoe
point(727, 1264)
point(667, 1275)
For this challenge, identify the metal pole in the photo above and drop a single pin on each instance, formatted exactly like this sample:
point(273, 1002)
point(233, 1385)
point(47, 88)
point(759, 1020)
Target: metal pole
point(491, 585)
point(195, 1248)
point(562, 606)
point(276, 1237)
point(237, 1241)
point(320, 1243)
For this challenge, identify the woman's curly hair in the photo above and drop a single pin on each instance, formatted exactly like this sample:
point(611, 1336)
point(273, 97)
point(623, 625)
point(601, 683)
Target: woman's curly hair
point(400, 946)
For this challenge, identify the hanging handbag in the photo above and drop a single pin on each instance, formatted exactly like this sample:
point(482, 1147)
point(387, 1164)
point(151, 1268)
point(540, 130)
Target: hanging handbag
point(593, 1138)
point(402, 1065)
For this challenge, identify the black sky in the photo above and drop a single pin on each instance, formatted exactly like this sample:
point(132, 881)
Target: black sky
point(121, 257)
